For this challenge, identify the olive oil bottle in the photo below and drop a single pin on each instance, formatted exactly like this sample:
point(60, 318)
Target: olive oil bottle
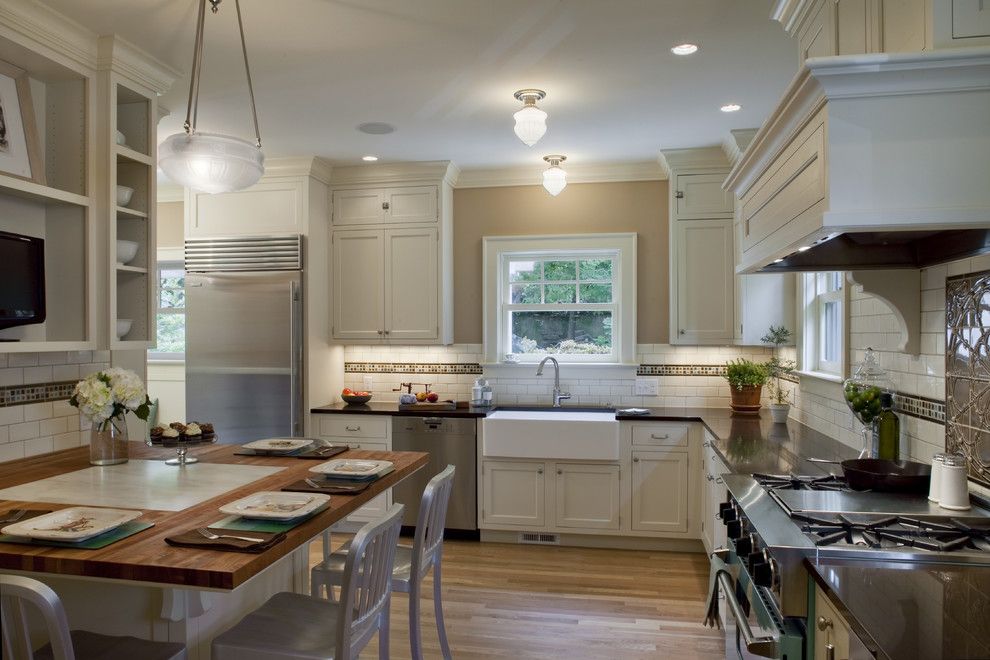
point(887, 429)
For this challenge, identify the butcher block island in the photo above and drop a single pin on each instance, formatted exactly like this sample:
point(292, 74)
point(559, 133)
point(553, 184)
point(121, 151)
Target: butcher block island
point(142, 586)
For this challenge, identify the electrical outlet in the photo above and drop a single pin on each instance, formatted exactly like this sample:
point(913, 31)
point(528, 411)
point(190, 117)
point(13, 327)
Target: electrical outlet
point(368, 383)
point(647, 386)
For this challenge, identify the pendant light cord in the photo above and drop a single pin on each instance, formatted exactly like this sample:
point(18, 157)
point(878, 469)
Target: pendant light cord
point(192, 108)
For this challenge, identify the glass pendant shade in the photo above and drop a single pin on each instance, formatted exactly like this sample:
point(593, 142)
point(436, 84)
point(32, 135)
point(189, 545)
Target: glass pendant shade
point(554, 180)
point(531, 124)
point(211, 163)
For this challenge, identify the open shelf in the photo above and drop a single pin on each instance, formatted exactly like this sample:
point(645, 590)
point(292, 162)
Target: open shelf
point(131, 269)
point(123, 211)
point(126, 154)
point(36, 192)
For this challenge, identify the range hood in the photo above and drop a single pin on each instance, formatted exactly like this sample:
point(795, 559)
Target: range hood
point(878, 161)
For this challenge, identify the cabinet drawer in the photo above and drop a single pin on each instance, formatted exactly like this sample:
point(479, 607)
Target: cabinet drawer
point(665, 435)
point(794, 183)
point(354, 426)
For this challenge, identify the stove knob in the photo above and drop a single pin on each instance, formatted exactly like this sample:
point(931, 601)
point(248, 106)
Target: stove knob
point(762, 574)
point(744, 545)
point(733, 529)
point(728, 512)
point(755, 558)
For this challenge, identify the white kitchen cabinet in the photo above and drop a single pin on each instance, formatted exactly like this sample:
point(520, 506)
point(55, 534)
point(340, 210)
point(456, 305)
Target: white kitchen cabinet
point(699, 196)
point(837, 631)
point(412, 285)
point(359, 284)
point(514, 493)
point(365, 433)
point(359, 207)
point(660, 491)
point(818, 36)
point(713, 493)
point(703, 305)
point(587, 496)
point(372, 206)
point(411, 204)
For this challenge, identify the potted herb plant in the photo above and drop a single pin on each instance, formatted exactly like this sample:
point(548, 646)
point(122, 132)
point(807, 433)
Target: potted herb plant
point(746, 380)
point(780, 398)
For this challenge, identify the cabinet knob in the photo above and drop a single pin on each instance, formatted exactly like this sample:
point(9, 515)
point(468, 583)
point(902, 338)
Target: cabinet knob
point(539, 470)
point(824, 623)
point(386, 332)
point(381, 332)
point(680, 332)
point(384, 206)
point(709, 477)
point(679, 194)
point(560, 472)
point(636, 460)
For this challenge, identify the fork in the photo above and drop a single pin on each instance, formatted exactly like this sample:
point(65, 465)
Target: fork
point(213, 537)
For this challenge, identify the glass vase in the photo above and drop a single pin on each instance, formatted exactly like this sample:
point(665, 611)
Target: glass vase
point(108, 442)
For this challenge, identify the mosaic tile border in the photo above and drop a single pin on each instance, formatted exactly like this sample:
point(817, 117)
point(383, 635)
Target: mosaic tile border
point(470, 368)
point(19, 395)
point(691, 370)
point(920, 407)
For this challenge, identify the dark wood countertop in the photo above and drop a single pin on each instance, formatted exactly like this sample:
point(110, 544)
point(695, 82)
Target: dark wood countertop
point(146, 557)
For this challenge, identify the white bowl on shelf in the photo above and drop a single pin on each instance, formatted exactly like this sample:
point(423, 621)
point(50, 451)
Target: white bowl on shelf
point(121, 139)
point(126, 251)
point(123, 327)
point(124, 195)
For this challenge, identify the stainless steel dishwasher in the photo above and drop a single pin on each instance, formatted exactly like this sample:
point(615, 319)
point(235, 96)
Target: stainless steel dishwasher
point(449, 441)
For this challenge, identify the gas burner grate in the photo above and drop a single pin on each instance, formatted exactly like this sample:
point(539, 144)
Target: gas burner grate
point(774, 482)
point(895, 531)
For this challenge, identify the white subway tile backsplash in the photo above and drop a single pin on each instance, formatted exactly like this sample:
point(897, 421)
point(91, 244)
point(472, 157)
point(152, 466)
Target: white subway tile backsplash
point(22, 359)
point(24, 431)
point(37, 374)
point(11, 376)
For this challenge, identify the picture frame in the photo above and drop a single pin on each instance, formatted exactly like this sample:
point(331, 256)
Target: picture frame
point(20, 146)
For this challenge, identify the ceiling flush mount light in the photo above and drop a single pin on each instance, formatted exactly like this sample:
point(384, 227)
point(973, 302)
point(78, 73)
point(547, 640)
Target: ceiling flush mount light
point(369, 159)
point(210, 162)
point(731, 107)
point(684, 49)
point(376, 128)
point(531, 122)
point(554, 178)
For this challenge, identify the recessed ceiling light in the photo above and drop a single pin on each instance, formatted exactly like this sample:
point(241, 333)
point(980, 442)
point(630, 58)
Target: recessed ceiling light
point(731, 107)
point(376, 128)
point(369, 159)
point(684, 49)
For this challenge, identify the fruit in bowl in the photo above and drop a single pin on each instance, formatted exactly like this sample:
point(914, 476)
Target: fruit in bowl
point(421, 396)
point(432, 397)
point(355, 397)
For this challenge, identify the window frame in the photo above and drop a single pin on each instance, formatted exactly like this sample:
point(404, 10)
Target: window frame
point(499, 251)
point(813, 303)
point(166, 258)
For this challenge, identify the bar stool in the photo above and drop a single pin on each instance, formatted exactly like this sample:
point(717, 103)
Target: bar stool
point(425, 553)
point(17, 592)
point(297, 627)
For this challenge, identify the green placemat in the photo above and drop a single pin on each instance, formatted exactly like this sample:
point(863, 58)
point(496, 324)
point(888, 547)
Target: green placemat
point(255, 525)
point(95, 543)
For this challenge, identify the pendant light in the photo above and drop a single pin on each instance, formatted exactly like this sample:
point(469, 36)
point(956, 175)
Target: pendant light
point(554, 178)
point(211, 162)
point(531, 122)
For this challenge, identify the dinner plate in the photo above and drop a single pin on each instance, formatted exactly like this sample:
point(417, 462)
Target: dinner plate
point(276, 505)
point(74, 524)
point(279, 445)
point(353, 468)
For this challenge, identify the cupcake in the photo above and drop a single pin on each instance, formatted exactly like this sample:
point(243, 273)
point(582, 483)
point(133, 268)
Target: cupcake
point(170, 433)
point(178, 426)
point(206, 428)
point(193, 430)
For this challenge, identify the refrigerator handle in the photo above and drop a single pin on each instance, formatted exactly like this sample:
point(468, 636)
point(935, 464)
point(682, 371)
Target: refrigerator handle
point(295, 367)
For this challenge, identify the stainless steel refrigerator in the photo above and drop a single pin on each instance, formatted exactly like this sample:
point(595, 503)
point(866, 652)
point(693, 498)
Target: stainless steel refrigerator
point(244, 336)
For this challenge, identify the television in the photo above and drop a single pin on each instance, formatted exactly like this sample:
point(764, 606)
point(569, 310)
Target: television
point(22, 280)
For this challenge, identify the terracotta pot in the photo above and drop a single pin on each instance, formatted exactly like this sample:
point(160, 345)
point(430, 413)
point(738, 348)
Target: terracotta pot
point(747, 399)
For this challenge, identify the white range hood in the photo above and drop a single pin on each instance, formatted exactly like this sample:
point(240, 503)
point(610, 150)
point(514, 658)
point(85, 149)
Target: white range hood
point(875, 161)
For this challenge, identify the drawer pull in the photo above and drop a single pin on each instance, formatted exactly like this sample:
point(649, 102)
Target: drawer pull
point(709, 477)
point(636, 460)
point(707, 444)
point(539, 470)
point(719, 480)
point(354, 446)
point(353, 428)
point(560, 472)
point(665, 436)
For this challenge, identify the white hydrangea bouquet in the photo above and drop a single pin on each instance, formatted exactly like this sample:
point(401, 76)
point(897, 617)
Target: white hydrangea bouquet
point(109, 395)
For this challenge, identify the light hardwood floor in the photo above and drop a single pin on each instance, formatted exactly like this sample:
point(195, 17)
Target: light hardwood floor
point(520, 601)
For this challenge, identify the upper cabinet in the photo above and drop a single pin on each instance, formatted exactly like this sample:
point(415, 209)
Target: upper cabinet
point(392, 240)
point(66, 95)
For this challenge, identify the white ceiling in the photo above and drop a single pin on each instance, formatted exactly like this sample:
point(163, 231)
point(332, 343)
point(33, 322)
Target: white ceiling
point(443, 72)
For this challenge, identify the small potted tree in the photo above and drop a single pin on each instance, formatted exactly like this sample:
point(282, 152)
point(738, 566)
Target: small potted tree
point(780, 398)
point(746, 380)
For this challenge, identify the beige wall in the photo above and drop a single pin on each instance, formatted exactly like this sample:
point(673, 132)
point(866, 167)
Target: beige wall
point(170, 226)
point(586, 208)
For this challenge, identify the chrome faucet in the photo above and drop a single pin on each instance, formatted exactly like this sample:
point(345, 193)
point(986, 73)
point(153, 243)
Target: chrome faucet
point(558, 396)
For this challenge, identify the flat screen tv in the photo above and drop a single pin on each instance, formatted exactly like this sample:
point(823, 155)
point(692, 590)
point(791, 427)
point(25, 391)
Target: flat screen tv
point(22, 280)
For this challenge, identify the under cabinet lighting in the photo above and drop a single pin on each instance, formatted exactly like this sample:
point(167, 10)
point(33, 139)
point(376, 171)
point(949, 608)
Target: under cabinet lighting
point(369, 159)
point(804, 248)
point(684, 49)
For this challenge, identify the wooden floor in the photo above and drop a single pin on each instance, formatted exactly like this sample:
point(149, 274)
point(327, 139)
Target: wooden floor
point(523, 601)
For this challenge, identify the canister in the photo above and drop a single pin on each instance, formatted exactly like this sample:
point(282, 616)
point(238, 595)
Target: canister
point(954, 489)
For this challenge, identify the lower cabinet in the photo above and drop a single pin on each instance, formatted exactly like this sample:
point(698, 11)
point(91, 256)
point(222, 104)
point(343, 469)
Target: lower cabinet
point(360, 432)
point(713, 493)
point(587, 496)
point(660, 489)
point(830, 630)
point(514, 493)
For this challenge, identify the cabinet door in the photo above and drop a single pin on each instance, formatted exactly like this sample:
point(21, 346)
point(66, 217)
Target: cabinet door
point(701, 196)
point(904, 26)
point(854, 25)
point(818, 38)
point(412, 284)
point(703, 306)
point(838, 634)
point(660, 491)
point(358, 284)
point(970, 19)
point(411, 204)
point(587, 496)
point(514, 493)
point(358, 207)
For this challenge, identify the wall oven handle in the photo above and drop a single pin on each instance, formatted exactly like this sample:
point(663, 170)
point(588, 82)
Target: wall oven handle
point(765, 647)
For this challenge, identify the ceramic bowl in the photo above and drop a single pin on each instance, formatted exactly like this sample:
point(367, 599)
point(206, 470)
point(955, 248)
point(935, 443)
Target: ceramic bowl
point(121, 139)
point(123, 327)
point(355, 399)
point(126, 251)
point(124, 195)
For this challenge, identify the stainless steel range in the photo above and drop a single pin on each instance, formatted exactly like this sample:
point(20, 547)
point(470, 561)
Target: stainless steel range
point(773, 522)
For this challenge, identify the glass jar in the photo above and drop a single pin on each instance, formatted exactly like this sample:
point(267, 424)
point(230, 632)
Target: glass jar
point(862, 394)
point(108, 442)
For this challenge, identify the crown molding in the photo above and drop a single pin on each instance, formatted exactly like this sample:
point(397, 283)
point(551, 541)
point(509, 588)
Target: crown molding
point(698, 158)
point(735, 143)
point(121, 56)
point(375, 173)
point(585, 173)
point(791, 14)
point(311, 166)
point(49, 29)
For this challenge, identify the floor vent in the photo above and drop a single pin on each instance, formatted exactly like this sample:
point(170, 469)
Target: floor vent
point(539, 538)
